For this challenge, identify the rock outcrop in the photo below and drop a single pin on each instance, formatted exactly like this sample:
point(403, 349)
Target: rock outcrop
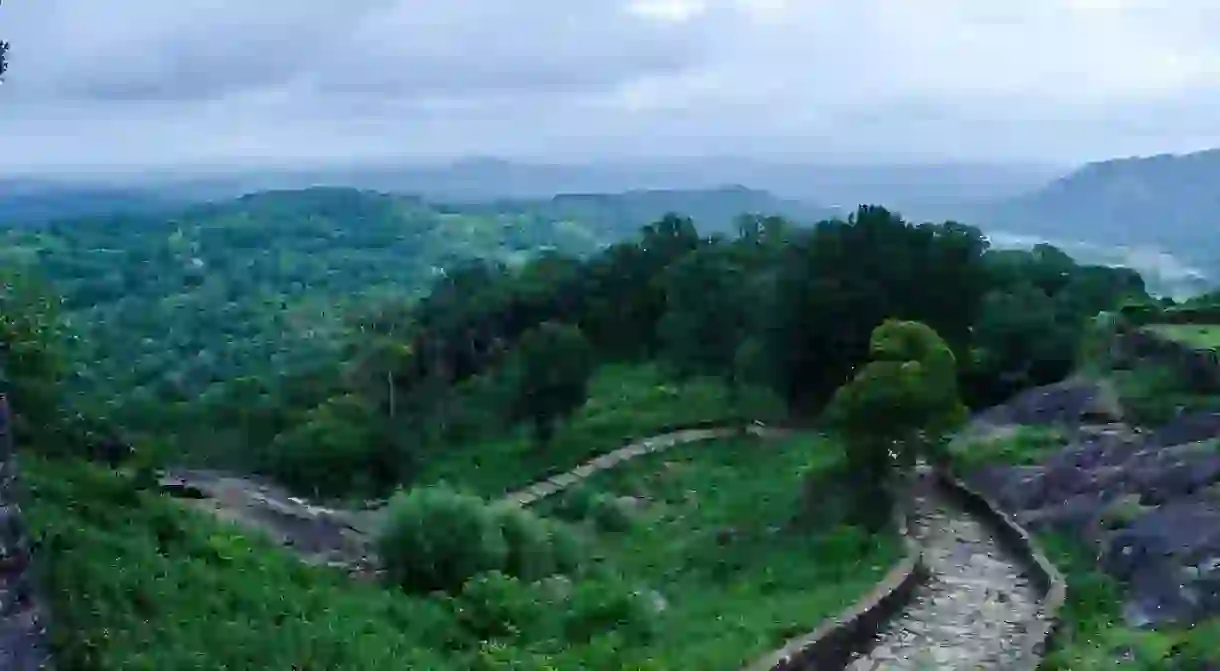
point(1149, 502)
point(22, 617)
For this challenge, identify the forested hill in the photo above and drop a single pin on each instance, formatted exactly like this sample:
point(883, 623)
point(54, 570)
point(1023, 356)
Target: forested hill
point(622, 214)
point(173, 302)
point(166, 305)
point(1168, 201)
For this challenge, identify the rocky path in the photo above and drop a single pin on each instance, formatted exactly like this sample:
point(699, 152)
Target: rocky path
point(341, 537)
point(972, 611)
point(969, 615)
point(316, 534)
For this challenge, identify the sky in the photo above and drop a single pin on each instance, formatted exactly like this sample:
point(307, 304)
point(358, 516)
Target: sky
point(193, 82)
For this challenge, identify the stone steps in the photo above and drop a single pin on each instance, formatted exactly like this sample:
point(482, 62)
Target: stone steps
point(973, 610)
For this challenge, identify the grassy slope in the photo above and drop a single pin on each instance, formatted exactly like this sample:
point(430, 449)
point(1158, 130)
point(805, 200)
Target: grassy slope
point(136, 582)
point(1203, 336)
point(624, 402)
point(1093, 635)
point(715, 537)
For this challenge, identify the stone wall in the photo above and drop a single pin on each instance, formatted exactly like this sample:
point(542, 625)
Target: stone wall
point(1029, 653)
point(836, 641)
point(22, 617)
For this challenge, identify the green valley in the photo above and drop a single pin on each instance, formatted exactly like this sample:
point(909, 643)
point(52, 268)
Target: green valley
point(412, 364)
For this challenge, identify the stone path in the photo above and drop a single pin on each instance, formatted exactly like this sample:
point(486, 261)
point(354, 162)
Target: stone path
point(316, 534)
point(972, 611)
point(555, 484)
point(341, 538)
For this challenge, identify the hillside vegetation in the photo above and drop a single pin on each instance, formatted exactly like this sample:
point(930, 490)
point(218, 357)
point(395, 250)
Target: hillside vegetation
point(436, 388)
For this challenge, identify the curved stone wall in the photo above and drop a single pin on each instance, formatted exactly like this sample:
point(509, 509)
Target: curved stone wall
point(833, 644)
point(1039, 638)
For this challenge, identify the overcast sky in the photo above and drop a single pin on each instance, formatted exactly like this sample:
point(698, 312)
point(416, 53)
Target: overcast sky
point(184, 81)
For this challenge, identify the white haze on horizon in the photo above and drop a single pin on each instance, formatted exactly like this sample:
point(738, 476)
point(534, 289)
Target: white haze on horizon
point(1164, 273)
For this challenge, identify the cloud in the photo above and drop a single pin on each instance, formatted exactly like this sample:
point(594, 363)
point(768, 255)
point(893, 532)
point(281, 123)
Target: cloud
point(138, 81)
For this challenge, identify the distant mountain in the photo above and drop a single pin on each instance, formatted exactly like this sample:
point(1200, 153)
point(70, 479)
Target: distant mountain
point(477, 180)
point(1161, 213)
point(33, 201)
point(1167, 201)
point(179, 299)
point(622, 214)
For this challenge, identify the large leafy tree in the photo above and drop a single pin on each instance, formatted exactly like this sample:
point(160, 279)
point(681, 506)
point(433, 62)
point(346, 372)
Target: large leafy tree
point(32, 356)
point(903, 401)
point(839, 281)
point(550, 374)
point(707, 311)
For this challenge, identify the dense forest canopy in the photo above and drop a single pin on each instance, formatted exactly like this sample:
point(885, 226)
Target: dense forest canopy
point(352, 328)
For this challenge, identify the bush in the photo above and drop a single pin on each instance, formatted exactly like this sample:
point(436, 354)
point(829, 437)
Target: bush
point(575, 504)
point(436, 538)
point(495, 606)
point(604, 511)
point(609, 514)
point(609, 604)
point(531, 546)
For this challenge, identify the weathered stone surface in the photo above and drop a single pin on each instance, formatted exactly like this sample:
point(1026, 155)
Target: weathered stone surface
point(972, 611)
point(1066, 403)
point(1149, 501)
point(22, 617)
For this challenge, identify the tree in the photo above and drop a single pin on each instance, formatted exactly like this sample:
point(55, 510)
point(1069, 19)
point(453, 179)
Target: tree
point(550, 372)
point(707, 313)
point(900, 403)
point(32, 352)
point(1020, 340)
point(840, 280)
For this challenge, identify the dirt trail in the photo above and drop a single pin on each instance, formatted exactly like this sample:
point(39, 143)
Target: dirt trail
point(318, 535)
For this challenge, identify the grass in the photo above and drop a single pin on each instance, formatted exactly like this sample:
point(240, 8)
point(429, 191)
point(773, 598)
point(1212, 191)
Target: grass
point(1093, 637)
point(1151, 394)
point(136, 582)
point(1025, 446)
point(712, 529)
point(624, 401)
point(1202, 336)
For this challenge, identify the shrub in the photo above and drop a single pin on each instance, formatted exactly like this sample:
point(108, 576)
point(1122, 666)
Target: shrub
point(496, 606)
point(340, 447)
point(575, 504)
point(609, 604)
point(436, 538)
point(531, 543)
point(604, 511)
point(609, 514)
